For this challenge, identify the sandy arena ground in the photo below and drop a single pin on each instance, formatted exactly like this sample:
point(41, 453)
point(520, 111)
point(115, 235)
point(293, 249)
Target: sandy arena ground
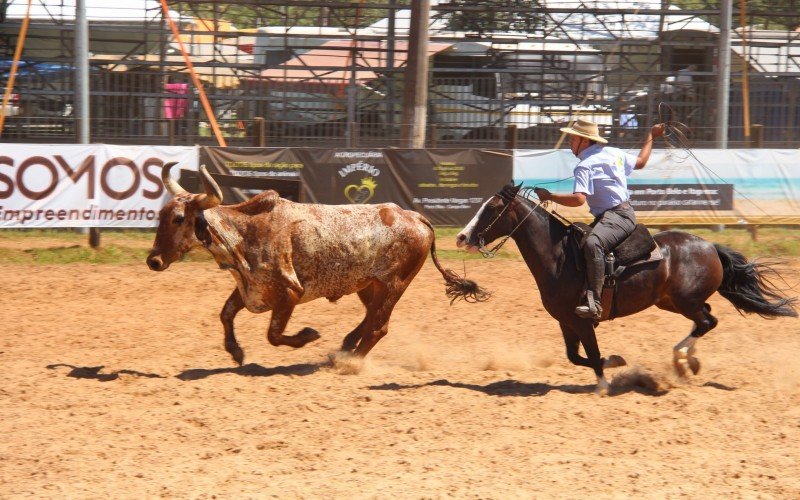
point(116, 385)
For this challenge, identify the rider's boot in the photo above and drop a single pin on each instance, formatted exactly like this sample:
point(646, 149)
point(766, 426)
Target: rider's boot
point(595, 273)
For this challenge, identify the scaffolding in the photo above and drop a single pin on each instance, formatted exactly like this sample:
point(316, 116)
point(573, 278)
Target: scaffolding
point(314, 73)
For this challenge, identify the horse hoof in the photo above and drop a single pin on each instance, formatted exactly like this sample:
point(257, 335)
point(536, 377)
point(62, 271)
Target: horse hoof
point(614, 361)
point(680, 367)
point(694, 364)
point(601, 391)
point(602, 387)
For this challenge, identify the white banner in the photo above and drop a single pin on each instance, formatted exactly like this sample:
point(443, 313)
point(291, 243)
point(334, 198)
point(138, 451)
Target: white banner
point(706, 185)
point(85, 185)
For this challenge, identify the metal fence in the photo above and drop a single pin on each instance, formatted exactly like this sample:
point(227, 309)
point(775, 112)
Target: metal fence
point(334, 75)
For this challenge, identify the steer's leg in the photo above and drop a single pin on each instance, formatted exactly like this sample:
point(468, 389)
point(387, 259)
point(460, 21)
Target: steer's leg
point(232, 306)
point(352, 338)
point(280, 318)
point(378, 313)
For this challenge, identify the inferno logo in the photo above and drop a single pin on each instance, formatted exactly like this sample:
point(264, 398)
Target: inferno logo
point(361, 193)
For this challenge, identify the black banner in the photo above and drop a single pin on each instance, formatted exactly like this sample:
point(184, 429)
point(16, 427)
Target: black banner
point(652, 197)
point(447, 186)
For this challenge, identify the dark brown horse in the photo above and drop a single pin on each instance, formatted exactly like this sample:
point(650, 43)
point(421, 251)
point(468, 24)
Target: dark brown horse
point(691, 271)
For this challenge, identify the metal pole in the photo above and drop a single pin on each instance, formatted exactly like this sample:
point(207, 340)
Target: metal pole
point(82, 89)
point(724, 72)
point(82, 71)
point(390, 120)
point(415, 85)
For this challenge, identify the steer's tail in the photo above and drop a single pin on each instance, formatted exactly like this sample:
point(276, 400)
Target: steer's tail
point(749, 288)
point(456, 286)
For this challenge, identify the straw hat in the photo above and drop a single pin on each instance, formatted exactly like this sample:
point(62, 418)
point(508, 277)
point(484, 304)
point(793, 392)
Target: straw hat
point(585, 128)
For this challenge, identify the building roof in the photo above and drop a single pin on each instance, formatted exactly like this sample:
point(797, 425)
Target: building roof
point(96, 10)
point(336, 58)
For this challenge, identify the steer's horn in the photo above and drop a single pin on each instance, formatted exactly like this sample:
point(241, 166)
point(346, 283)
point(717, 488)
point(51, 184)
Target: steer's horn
point(213, 196)
point(172, 186)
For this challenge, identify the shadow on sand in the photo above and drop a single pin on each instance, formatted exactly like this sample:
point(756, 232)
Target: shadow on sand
point(248, 370)
point(251, 370)
point(93, 372)
point(517, 388)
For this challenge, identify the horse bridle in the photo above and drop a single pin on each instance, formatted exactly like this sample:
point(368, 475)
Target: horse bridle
point(489, 253)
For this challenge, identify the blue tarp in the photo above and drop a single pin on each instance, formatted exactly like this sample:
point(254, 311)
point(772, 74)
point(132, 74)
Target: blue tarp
point(27, 68)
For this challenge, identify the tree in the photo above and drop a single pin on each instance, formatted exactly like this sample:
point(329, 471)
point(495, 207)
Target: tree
point(492, 15)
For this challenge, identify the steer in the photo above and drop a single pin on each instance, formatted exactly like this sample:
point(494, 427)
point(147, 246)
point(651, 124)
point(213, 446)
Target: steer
point(282, 254)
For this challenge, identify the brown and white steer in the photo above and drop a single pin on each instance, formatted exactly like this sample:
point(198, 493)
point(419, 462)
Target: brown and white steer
point(282, 254)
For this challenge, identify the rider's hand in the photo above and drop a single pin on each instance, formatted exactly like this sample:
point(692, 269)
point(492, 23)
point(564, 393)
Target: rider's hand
point(657, 130)
point(542, 193)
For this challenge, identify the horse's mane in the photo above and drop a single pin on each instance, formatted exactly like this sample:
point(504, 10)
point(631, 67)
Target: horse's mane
point(526, 195)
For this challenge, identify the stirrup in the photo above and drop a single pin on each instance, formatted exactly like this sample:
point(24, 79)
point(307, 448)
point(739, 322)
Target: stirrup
point(591, 310)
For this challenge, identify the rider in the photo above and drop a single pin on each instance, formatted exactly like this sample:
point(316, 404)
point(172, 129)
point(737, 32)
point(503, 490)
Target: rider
point(601, 181)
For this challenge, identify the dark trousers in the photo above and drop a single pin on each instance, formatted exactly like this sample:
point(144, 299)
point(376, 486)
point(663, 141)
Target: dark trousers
point(608, 230)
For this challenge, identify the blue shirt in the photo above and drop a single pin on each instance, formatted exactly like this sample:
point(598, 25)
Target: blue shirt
point(602, 175)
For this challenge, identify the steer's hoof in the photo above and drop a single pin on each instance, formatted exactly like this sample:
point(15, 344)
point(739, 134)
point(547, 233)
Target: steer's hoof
point(236, 353)
point(307, 335)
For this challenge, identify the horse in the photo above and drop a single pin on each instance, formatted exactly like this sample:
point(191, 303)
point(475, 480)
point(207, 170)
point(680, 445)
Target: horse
point(691, 270)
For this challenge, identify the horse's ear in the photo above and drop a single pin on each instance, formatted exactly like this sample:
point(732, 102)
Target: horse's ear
point(509, 191)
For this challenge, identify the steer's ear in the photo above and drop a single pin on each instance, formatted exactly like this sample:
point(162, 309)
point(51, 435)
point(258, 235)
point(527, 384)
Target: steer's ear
point(201, 231)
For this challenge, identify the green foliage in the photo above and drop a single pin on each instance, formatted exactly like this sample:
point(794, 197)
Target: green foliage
point(132, 246)
point(493, 16)
point(253, 15)
point(763, 14)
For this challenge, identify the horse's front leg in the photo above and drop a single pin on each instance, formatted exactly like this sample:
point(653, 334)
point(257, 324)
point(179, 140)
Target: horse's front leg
point(582, 332)
point(280, 318)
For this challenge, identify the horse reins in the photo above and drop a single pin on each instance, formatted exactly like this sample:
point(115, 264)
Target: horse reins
point(489, 253)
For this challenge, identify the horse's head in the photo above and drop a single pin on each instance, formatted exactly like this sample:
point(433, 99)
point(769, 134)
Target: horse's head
point(491, 221)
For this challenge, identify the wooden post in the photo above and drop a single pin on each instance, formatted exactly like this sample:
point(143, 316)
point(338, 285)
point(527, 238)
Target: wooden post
point(259, 132)
point(434, 133)
point(757, 136)
point(94, 237)
point(171, 132)
point(511, 137)
point(753, 230)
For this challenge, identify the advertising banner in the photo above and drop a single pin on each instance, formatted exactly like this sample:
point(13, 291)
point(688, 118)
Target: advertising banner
point(90, 185)
point(447, 186)
point(692, 187)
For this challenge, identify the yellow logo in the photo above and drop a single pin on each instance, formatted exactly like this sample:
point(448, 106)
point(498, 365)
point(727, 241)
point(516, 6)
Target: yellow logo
point(361, 193)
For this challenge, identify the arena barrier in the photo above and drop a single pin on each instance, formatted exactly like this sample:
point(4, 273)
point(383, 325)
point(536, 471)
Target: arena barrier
point(698, 187)
point(119, 186)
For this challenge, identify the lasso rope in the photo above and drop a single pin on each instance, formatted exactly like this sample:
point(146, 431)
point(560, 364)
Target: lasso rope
point(675, 136)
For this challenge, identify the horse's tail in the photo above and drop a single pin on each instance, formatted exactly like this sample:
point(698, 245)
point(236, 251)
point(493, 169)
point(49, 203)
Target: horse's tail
point(748, 287)
point(456, 286)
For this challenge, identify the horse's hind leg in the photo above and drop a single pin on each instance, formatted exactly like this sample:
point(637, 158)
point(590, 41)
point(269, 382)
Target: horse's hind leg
point(683, 352)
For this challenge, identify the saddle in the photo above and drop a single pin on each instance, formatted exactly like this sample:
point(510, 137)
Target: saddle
point(637, 249)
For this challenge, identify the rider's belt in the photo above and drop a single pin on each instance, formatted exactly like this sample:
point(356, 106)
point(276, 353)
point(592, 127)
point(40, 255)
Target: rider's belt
point(624, 204)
